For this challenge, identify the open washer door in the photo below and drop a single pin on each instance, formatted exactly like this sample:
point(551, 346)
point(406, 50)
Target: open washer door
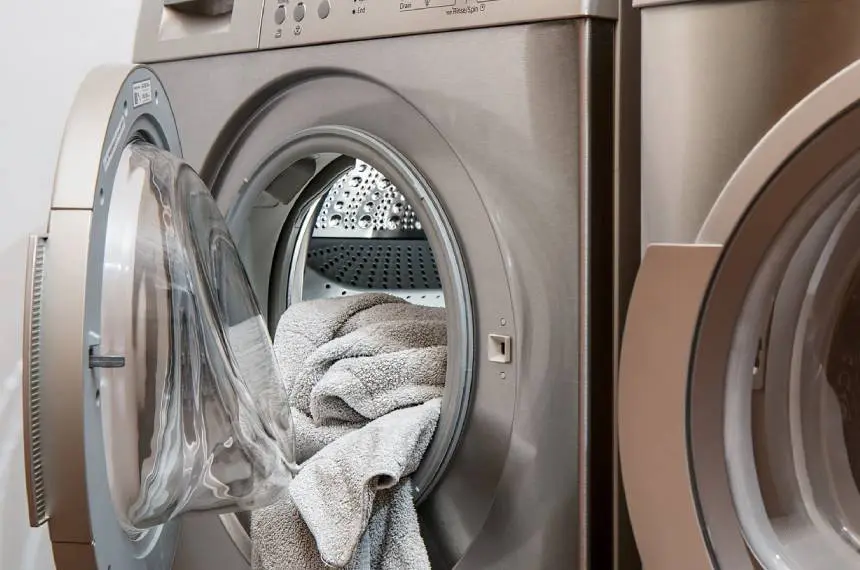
point(151, 386)
point(740, 369)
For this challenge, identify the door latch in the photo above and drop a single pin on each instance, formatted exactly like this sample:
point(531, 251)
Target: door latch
point(105, 361)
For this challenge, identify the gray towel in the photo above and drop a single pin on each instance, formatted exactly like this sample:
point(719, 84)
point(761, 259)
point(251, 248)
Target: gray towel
point(349, 360)
point(388, 544)
point(347, 507)
point(365, 375)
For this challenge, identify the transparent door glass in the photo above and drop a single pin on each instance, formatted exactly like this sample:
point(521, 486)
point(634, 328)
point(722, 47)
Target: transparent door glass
point(197, 419)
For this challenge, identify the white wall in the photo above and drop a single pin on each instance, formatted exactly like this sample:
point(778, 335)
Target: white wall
point(45, 50)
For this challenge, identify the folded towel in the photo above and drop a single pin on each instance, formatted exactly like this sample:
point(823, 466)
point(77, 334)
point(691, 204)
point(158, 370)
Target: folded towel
point(365, 376)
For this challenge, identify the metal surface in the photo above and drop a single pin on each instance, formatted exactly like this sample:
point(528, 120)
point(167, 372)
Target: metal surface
point(167, 33)
point(32, 382)
point(282, 205)
point(365, 204)
point(360, 242)
point(700, 118)
point(406, 264)
point(351, 21)
point(792, 132)
point(716, 77)
point(405, 269)
point(517, 222)
point(105, 361)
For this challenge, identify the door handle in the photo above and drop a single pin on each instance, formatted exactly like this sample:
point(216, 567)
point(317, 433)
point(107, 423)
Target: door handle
point(201, 7)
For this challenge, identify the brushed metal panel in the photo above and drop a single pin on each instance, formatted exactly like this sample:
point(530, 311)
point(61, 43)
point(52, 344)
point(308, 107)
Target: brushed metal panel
point(825, 105)
point(353, 21)
point(506, 162)
point(164, 32)
point(716, 77)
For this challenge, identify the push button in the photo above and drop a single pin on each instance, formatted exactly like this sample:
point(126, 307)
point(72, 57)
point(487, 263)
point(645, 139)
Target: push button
point(324, 9)
point(280, 14)
point(299, 12)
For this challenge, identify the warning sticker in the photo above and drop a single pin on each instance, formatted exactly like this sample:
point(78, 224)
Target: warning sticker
point(113, 145)
point(141, 93)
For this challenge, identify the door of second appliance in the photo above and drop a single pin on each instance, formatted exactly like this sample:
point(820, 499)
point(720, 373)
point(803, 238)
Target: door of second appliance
point(151, 385)
point(739, 396)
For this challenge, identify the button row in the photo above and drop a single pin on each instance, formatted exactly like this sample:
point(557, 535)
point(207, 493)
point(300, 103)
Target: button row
point(323, 10)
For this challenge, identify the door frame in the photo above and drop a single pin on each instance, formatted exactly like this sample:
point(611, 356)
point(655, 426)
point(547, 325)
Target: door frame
point(66, 474)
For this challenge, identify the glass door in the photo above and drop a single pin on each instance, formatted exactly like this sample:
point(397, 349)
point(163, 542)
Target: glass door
point(151, 385)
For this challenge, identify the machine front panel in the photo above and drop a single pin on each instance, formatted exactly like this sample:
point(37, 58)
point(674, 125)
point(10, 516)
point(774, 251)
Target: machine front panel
point(511, 184)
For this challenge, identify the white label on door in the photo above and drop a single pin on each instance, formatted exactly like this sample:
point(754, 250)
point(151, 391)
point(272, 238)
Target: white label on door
point(141, 93)
point(113, 144)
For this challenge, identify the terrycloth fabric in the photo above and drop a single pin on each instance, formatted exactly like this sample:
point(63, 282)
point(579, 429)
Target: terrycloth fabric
point(347, 507)
point(388, 544)
point(365, 375)
point(350, 360)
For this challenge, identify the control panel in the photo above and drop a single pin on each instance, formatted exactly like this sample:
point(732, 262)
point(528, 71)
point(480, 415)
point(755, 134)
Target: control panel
point(177, 29)
point(302, 22)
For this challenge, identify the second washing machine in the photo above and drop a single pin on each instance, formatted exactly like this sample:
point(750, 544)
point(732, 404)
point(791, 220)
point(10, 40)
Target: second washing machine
point(738, 402)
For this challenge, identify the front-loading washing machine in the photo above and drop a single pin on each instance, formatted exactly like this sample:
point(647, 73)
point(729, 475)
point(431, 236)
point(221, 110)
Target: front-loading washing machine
point(738, 396)
point(456, 153)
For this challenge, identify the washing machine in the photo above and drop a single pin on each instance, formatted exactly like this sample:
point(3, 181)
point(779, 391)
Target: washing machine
point(738, 398)
point(455, 153)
